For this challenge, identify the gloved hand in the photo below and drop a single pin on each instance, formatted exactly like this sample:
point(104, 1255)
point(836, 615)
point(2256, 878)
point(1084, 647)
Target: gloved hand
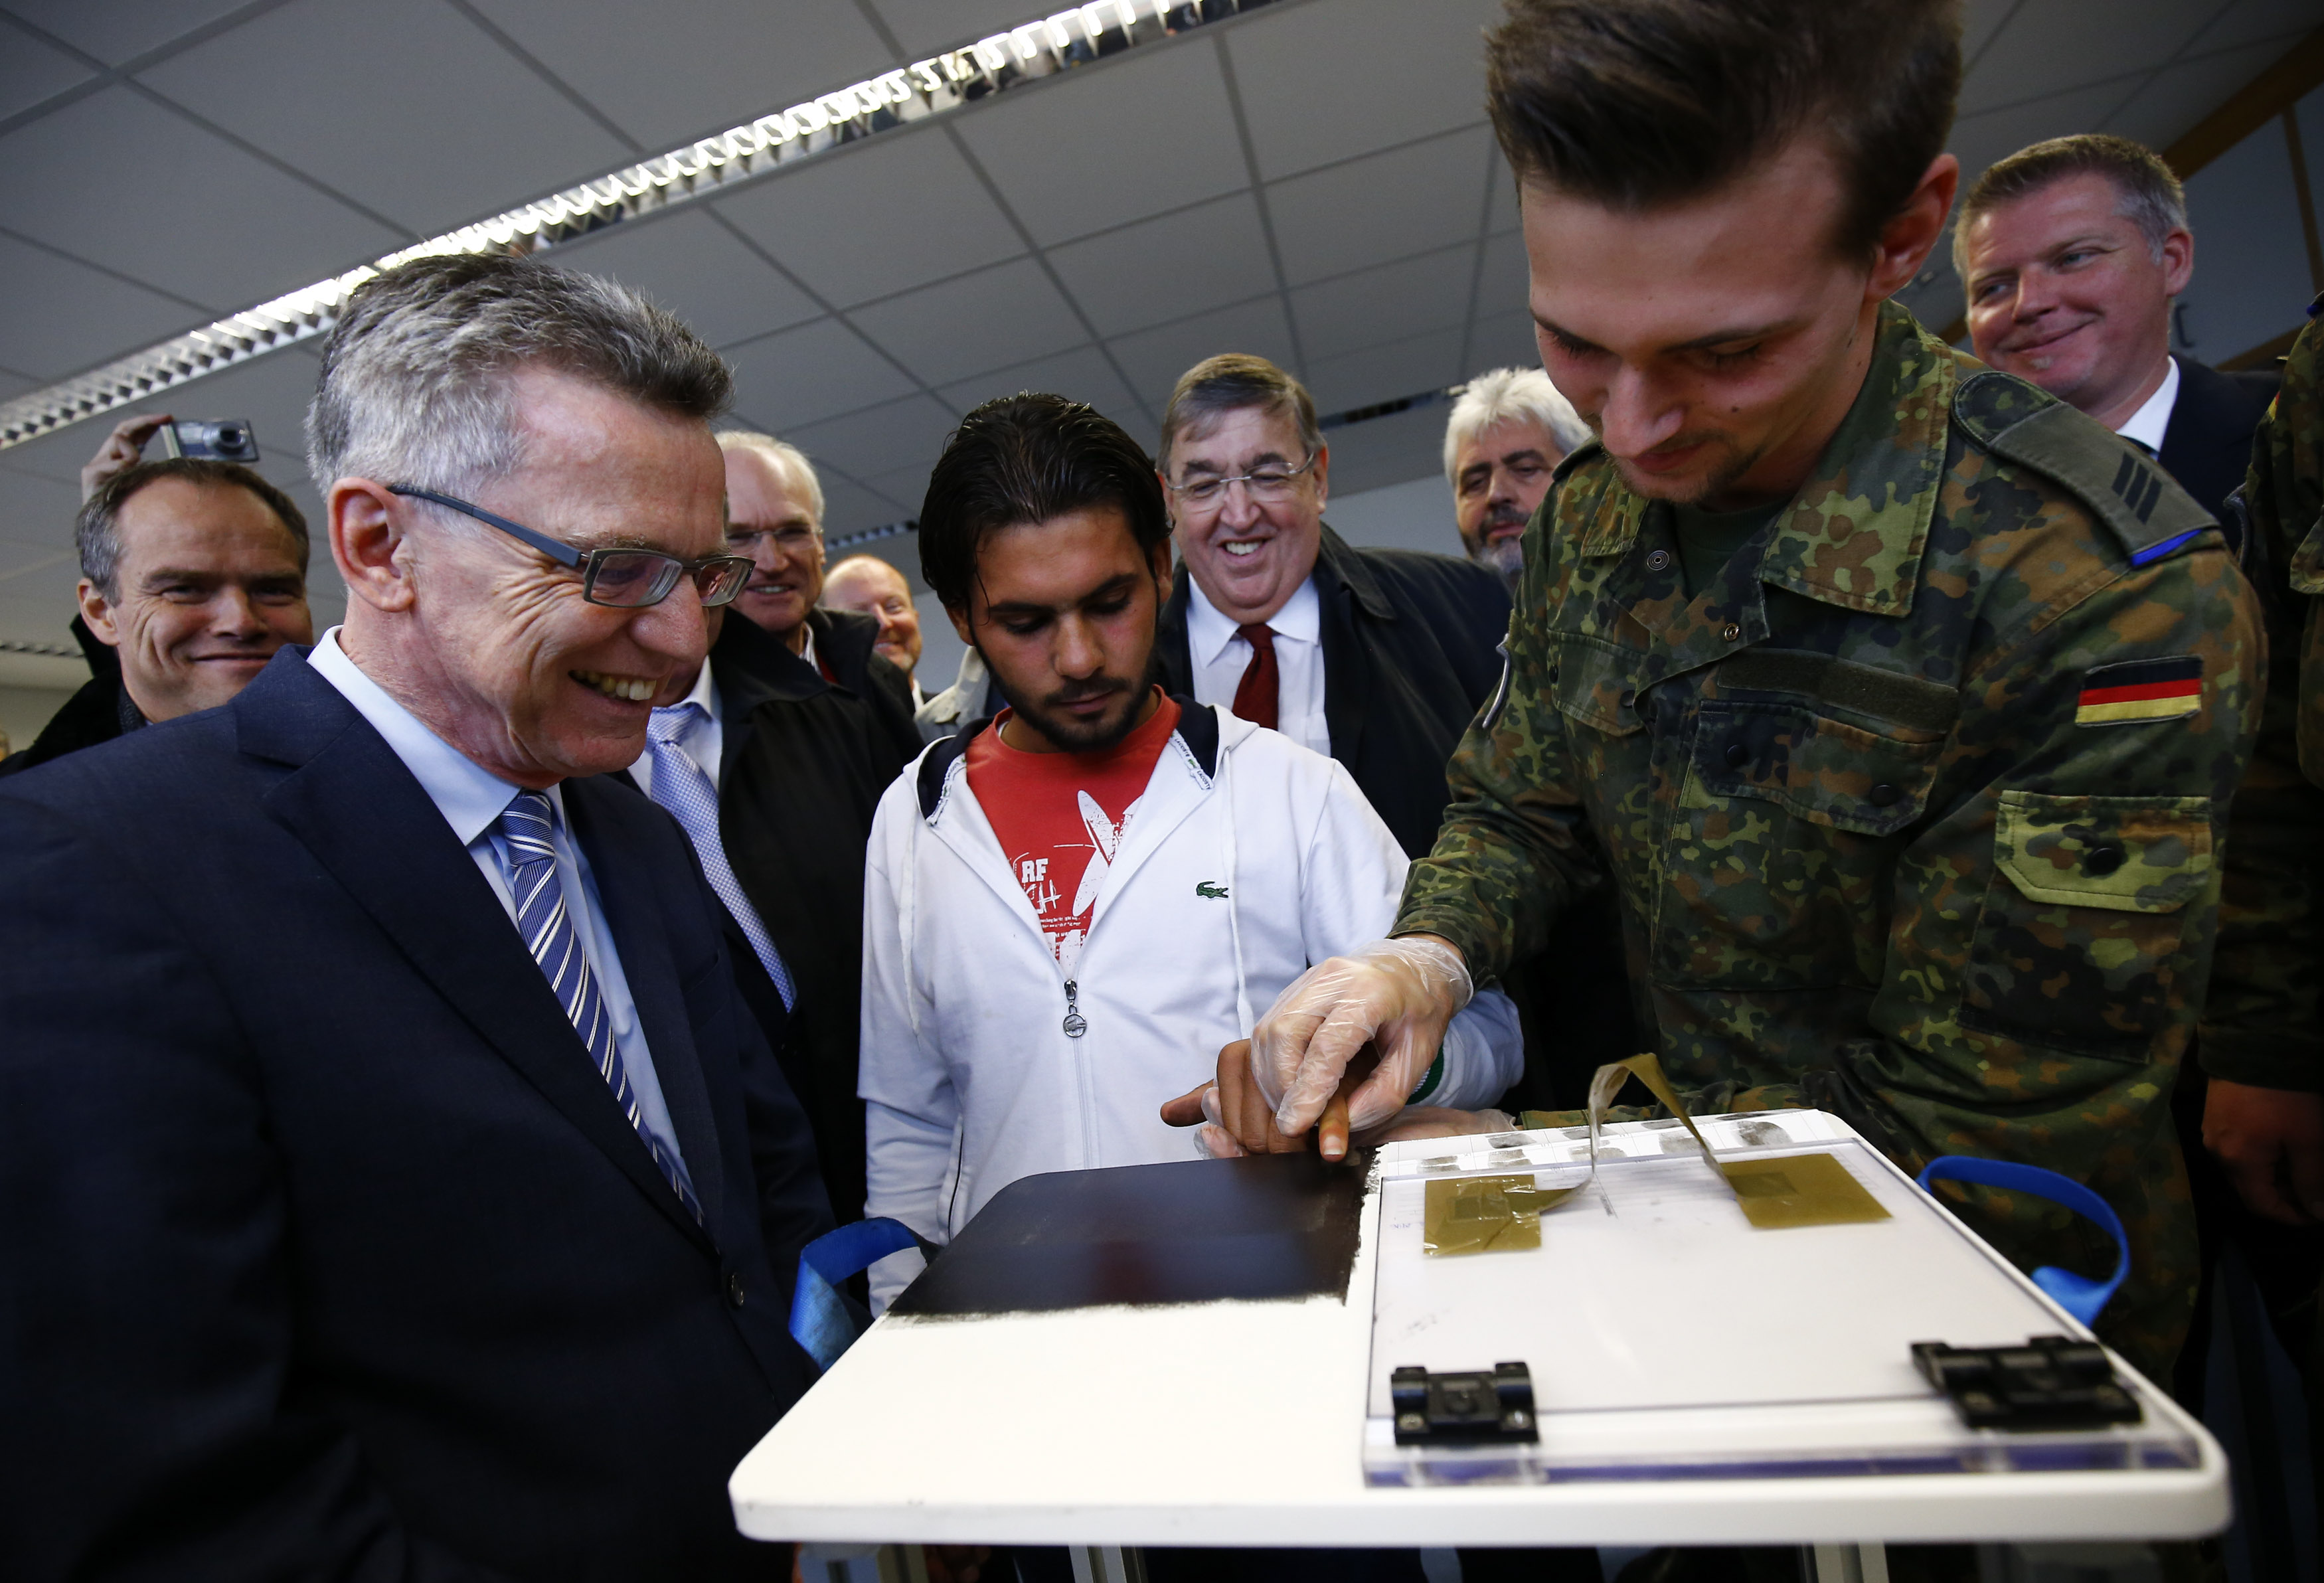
point(1397, 993)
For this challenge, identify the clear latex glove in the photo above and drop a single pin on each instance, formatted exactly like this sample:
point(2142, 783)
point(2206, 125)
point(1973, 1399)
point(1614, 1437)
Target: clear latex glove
point(1397, 994)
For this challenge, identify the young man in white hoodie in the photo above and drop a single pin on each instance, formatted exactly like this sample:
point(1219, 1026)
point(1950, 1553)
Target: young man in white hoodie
point(1072, 908)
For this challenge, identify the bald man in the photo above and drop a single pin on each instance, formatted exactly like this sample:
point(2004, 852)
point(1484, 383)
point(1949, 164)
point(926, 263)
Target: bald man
point(871, 586)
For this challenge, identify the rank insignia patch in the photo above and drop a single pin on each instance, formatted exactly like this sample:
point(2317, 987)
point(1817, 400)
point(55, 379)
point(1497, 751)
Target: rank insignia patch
point(2140, 689)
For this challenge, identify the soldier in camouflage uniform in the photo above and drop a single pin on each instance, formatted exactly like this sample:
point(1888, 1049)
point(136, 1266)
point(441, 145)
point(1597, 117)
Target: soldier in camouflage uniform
point(1914, 799)
point(1879, 847)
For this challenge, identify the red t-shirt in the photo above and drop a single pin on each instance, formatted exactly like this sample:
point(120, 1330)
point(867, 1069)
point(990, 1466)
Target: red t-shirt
point(1060, 817)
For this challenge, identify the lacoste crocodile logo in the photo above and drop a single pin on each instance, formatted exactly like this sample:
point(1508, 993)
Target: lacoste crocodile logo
point(1210, 890)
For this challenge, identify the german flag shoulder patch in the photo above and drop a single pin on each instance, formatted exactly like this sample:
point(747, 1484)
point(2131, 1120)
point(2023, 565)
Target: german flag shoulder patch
point(2138, 690)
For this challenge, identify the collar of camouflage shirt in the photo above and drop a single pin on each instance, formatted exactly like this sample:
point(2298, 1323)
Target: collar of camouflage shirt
point(1854, 534)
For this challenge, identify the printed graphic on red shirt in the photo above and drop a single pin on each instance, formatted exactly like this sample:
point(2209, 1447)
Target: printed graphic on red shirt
point(1060, 818)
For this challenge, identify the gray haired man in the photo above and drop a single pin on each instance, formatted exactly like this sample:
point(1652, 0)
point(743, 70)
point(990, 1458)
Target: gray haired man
point(430, 1211)
point(1507, 433)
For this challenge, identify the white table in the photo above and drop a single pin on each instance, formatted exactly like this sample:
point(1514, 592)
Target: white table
point(1242, 1424)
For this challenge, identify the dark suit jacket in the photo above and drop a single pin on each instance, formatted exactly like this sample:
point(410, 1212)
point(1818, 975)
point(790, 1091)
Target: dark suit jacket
point(2207, 445)
point(1409, 658)
point(803, 763)
point(329, 1253)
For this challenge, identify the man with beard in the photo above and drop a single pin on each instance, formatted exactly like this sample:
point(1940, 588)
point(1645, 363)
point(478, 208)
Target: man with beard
point(1507, 433)
point(1071, 907)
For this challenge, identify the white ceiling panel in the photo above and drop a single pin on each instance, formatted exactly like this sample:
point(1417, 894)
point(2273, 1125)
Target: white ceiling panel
point(399, 136)
point(816, 371)
point(15, 384)
point(1182, 264)
point(36, 519)
point(1112, 143)
point(115, 31)
point(689, 68)
point(923, 27)
point(1501, 196)
point(874, 221)
point(1358, 76)
point(64, 316)
point(694, 267)
point(1155, 358)
point(1429, 293)
point(1083, 374)
point(1394, 449)
point(1332, 221)
point(2049, 46)
point(2171, 105)
point(1504, 284)
point(1980, 20)
point(1502, 340)
point(32, 70)
point(1980, 140)
point(1384, 374)
point(2252, 22)
point(906, 488)
point(880, 439)
point(850, 508)
point(208, 222)
point(995, 318)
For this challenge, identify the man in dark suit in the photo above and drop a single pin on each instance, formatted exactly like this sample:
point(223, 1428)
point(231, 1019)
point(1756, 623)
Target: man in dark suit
point(2071, 251)
point(396, 1185)
point(1377, 657)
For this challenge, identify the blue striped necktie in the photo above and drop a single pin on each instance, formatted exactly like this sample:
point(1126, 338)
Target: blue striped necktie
point(527, 825)
point(680, 786)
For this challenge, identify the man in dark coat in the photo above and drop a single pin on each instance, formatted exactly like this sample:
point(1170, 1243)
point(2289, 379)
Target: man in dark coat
point(1377, 657)
point(784, 740)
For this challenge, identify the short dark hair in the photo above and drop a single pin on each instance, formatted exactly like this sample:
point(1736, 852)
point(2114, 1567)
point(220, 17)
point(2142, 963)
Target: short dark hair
point(1233, 382)
point(1029, 458)
point(1639, 103)
point(96, 531)
point(2150, 195)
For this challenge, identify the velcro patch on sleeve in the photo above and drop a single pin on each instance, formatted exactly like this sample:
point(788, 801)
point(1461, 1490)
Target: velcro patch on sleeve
point(2140, 689)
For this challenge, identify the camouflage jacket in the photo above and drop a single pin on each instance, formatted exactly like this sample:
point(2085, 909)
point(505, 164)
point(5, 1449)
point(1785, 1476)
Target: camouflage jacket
point(2264, 1019)
point(1913, 813)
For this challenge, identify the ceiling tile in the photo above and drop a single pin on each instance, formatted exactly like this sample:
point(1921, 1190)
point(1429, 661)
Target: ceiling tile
point(2048, 46)
point(694, 267)
point(1145, 274)
point(926, 26)
point(31, 70)
point(1385, 374)
point(1395, 449)
point(1155, 358)
point(209, 222)
point(850, 508)
point(2252, 22)
point(1502, 340)
point(1505, 282)
point(691, 67)
point(1501, 187)
point(117, 29)
point(1980, 140)
point(1113, 143)
point(880, 439)
point(1330, 82)
point(1082, 375)
point(817, 370)
point(64, 317)
point(1394, 301)
point(1371, 210)
point(909, 488)
point(442, 127)
point(12, 385)
point(1981, 20)
point(36, 521)
point(2170, 106)
point(997, 318)
point(931, 218)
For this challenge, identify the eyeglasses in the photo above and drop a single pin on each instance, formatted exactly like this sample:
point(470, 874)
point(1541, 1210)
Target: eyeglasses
point(1265, 485)
point(623, 578)
point(792, 539)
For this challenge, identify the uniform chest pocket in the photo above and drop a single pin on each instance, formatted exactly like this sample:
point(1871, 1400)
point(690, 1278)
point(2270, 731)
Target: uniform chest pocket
point(1776, 863)
point(2080, 943)
point(1591, 684)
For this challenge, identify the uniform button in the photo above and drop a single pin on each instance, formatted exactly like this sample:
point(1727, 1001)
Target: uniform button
point(735, 1296)
point(2102, 860)
point(1630, 698)
point(1737, 755)
point(1731, 632)
point(1658, 561)
point(1884, 797)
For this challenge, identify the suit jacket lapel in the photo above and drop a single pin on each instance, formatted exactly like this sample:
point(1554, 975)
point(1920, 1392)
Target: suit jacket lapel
point(608, 827)
point(1347, 680)
point(352, 803)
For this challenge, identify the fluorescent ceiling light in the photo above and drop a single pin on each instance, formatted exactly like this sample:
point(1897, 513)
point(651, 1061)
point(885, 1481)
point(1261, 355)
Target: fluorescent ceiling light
point(933, 86)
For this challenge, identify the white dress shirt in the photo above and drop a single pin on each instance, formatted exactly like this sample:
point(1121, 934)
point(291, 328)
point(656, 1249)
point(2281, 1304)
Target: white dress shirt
point(1219, 656)
point(2147, 425)
point(472, 799)
point(704, 740)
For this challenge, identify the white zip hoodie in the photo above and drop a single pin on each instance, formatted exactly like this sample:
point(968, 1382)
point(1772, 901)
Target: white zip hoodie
point(1249, 858)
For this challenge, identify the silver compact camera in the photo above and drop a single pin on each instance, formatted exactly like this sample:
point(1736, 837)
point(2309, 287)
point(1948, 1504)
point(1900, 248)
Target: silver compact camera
point(221, 439)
